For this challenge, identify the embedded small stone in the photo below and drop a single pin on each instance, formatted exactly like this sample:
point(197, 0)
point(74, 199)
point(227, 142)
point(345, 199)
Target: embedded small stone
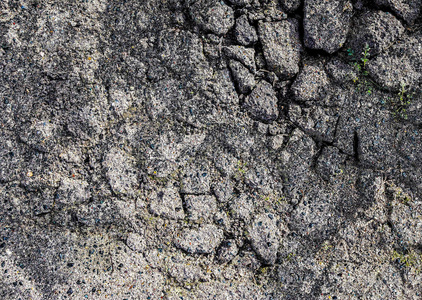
point(214, 16)
point(281, 45)
point(244, 32)
point(264, 235)
point(200, 241)
point(262, 102)
point(166, 203)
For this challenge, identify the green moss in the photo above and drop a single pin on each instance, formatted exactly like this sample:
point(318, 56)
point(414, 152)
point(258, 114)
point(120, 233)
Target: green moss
point(411, 260)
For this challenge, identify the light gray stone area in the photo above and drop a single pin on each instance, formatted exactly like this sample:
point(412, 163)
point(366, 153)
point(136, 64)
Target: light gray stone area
point(281, 46)
point(212, 16)
point(326, 24)
point(310, 84)
point(166, 203)
point(200, 208)
point(203, 240)
point(265, 237)
point(120, 172)
point(200, 149)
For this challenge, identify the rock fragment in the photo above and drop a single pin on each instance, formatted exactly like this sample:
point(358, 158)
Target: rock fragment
point(281, 45)
point(317, 120)
point(244, 55)
point(200, 241)
point(136, 242)
point(214, 16)
point(175, 46)
point(341, 71)
point(393, 71)
point(378, 29)
point(244, 80)
point(166, 203)
point(326, 24)
point(262, 102)
point(408, 10)
point(244, 32)
point(310, 84)
point(264, 235)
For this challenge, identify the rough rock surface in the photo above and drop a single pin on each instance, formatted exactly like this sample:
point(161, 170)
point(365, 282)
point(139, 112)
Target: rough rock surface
point(408, 10)
point(244, 32)
point(377, 29)
point(290, 5)
point(244, 80)
point(265, 237)
point(281, 45)
point(198, 241)
point(199, 149)
point(262, 102)
point(310, 84)
point(212, 16)
point(326, 24)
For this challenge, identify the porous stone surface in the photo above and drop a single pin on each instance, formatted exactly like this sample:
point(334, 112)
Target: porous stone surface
point(214, 16)
point(265, 237)
point(310, 84)
point(290, 5)
point(203, 240)
point(262, 102)
point(377, 29)
point(326, 24)
point(200, 208)
point(408, 10)
point(281, 46)
point(166, 203)
point(245, 33)
point(244, 80)
point(242, 54)
point(198, 149)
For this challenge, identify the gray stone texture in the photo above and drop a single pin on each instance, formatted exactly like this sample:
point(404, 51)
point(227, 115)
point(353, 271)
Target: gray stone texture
point(310, 84)
point(326, 24)
point(281, 45)
point(262, 102)
point(408, 10)
point(264, 237)
point(212, 16)
point(203, 240)
point(244, 32)
point(196, 150)
point(244, 80)
point(377, 29)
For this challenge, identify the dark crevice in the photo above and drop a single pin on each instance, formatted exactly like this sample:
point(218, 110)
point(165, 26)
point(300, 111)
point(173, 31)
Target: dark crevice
point(356, 147)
